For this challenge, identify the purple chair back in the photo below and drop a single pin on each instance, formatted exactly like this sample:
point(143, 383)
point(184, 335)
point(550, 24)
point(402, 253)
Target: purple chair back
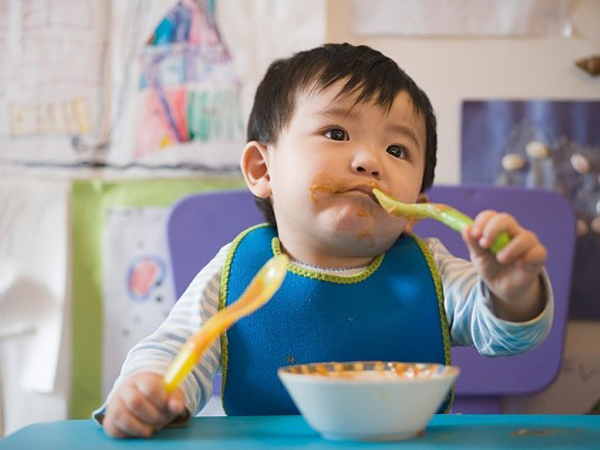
point(198, 226)
point(201, 223)
point(483, 380)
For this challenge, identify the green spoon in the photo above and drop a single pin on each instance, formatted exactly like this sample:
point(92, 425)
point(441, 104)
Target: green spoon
point(444, 213)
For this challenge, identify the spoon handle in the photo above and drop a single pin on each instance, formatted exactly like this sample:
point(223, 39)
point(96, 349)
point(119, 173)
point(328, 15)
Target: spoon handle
point(448, 215)
point(260, 290)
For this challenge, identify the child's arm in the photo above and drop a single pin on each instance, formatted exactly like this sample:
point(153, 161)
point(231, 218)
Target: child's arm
point(147, 362)
point(513, 274)
point(470, 311)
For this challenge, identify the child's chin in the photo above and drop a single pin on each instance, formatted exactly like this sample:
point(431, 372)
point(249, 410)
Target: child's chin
point(366, 229)
point(350, 223)
point(355, 231)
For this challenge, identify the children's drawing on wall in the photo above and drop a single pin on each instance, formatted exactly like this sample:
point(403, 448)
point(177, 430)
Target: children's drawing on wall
point(52, 55)
point(146, 274)
point(157, 87)
point(189, 84)
point(186, 67)
point(461, 18)
point(548, 145)
point(136, 283)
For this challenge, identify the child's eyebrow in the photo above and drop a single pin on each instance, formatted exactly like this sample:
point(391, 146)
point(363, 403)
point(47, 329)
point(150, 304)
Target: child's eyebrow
point(338, 112)
point(404, 130)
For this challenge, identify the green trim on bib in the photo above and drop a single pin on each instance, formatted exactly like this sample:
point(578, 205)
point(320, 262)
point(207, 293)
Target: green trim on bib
point(223, 299)
point(315, 275)
point(435, 274)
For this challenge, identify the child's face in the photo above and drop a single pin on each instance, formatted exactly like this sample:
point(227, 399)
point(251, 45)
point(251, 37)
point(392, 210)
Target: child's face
point(325, 164)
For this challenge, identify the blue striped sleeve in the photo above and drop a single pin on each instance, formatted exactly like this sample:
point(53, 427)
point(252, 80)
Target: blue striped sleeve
point(154, 353)
point(470, 314)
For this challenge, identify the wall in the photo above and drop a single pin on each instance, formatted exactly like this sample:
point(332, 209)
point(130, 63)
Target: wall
point(453, 69)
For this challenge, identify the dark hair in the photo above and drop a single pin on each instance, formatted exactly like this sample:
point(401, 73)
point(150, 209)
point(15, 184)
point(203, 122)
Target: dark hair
point(364, 70)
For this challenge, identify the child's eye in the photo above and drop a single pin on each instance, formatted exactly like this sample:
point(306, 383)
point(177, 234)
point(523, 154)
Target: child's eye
point(397, 151)
point(337, 134)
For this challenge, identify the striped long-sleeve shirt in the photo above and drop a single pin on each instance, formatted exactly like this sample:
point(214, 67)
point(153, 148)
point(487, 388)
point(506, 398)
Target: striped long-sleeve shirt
point(467, 303)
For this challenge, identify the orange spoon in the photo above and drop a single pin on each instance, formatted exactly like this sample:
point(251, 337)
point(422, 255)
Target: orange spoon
point(260, 290)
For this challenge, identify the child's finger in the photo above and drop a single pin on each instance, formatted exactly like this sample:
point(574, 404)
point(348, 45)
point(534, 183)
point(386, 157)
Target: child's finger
point(175, 405)
point(113, 430)
point(176, 402)
point(525, 249)
point(479, 223)
point(535, 259)
point(133, 428)
point(497, 223)
point(121, 423)
point(519, 244)
point(151, 387)
point(143, 408)
point(473, 234)
point(471, 239)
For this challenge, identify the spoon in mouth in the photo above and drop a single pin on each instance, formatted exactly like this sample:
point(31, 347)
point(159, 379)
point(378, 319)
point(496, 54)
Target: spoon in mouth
point(260, 290)
point(446, 214)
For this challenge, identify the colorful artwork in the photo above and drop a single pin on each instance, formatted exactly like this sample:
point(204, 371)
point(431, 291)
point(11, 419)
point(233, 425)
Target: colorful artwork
point(146, 274)
point(548, 145)
point(121, 274)
point(139, 87)
point(137, 294)
point(52, 55)
point(189, 83)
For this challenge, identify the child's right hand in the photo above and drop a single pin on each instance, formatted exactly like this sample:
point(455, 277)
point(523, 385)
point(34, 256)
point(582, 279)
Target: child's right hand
point(141, 405)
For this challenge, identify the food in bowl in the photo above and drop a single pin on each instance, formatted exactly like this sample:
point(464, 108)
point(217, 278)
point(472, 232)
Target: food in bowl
point(368, 400)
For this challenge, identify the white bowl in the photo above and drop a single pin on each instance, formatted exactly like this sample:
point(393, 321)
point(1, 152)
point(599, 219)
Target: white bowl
point(368, 401)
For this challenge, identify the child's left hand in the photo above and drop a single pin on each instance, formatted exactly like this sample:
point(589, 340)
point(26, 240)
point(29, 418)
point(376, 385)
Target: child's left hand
point(512, 274)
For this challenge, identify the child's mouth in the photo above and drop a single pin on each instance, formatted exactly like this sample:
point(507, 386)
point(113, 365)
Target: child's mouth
point(344, 187)
point(362, 191)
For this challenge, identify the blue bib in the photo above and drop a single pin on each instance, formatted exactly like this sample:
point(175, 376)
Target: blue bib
point(393, 311)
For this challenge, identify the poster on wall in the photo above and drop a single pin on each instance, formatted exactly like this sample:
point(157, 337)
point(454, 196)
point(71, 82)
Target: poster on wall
point(136, 285)
point(547, 145)
point(154, 87)
point(462, 17)
point(178, 91)
point(53, 81)
point(185, 78)
point(121, 274)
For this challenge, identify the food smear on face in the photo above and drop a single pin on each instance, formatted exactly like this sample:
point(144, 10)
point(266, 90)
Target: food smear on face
point(331, 185)
point(315, 189)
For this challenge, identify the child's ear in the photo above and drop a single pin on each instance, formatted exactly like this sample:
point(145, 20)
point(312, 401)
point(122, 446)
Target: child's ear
point(255, 168)
point(411, 223)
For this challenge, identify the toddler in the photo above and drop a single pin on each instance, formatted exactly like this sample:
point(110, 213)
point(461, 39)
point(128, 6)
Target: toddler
point(327, 126)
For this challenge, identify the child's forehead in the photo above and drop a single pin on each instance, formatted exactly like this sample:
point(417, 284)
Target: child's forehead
point(334, 96)
point(338, 91)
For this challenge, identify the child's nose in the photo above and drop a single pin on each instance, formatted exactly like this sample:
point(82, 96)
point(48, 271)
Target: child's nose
point(366, 164)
